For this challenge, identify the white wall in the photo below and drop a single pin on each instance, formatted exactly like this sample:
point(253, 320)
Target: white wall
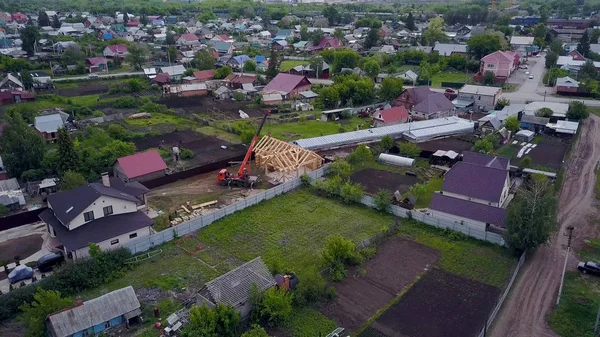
point(457, 219)
point(120, 206)
point(106, 245)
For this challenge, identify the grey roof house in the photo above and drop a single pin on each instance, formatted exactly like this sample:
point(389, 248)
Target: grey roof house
point(97, 212)
point(47, 125)
point(233, 288)
point(97, 315)
point(475, 190)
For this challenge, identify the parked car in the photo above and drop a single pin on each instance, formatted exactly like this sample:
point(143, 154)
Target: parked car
point(589, 268)
point(531, 77)
point(526, 73)
point(20, 273)
point(524, 66)
point(93, 76)
point(47, 262)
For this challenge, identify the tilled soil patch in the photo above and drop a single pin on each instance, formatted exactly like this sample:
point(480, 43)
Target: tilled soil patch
point(397, 263)
point(23, 247)
point(439, 305)
point(372, 180)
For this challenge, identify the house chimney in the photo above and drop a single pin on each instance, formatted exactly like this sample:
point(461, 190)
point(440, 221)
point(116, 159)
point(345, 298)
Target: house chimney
point(105, 179)
point(78, 301)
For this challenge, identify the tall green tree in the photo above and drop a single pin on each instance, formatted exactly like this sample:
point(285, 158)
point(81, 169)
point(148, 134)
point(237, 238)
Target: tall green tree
point(273, 68)
point(372, 38)
point(410, 22)
point(30, 35)
point(68, 156)
point(390, 89)
point(583, 47)
point(577, 110)
point(435, 31)
point(34, 315)
point(479, 46)
point(204, 60)
point(55, 22)
point(221, 321)
point(125, 18)
point(71, 180)
point(170, 39)
point(332, 15)
point(346, 58)
point(531, 216)
point(27, 79)
point(21, 148)
point(172, 52)
point(256, 331)
point(588, 70)
point(137, 55)
point(551, 59)
point(329, 97)
point(316, 64)
point(372, 68)
point(43, 19)
point(512, 124)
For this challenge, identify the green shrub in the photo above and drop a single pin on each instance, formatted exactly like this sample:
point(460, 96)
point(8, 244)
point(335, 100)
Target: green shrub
point(368, 252)
point(338, 253)
point(186, 154)
point(382, 200)
point(350, 192)
point(276, 306)
point(305, 180)
point(340, 168)
point(125, 102)
point(331, 293)
point(360, 155)
point(311, 287)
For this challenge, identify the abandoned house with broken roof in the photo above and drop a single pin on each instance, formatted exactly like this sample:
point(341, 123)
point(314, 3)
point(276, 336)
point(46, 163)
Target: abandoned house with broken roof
point(233, 288)
point(96, 316)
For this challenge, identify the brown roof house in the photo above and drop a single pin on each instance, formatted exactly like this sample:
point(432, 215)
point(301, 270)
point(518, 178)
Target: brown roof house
point(142, 166)
point(107, 215)
point(233, 288)
point(288, 85)
point(423, 103)
point(475, 191)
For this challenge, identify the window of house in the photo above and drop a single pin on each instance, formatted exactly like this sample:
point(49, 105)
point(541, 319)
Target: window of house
point(88, 216)
point(106, 324)
point(132, 236)
point(85, 333)
point(491, 65)
point(108, 210)
point(114, 242)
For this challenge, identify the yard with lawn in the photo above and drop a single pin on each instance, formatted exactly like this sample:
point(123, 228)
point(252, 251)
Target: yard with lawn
point(315, 128)
point(160, 118)
point(437, 79)
point(576, 314)
point(286, 65)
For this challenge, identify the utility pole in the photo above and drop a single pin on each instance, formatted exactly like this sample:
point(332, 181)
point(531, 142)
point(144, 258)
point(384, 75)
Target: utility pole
point(562, 280)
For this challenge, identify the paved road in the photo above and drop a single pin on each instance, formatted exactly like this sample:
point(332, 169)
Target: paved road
point(85, 77)
point(533, 297)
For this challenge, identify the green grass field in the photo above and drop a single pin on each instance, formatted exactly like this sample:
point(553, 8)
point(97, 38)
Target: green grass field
point(470, 258)
point(160, 118)
point(286, 65)
point(437, 79)
point(221, 134)
point(576, 314)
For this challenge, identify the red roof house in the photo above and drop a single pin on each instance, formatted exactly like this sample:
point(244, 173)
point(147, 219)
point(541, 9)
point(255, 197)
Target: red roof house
point(162, 79)
point(188, 39)
point(204, 75)
point(327, 43)
point(576, 55)
point(236, 81)
point(395, 115)
point(114, 50)
point(19, 18)
point(95, 64)
point(288, 85)
point(501, 63)
point(141, 166)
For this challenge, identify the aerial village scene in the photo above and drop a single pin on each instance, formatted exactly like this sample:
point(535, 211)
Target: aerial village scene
point(300, 168)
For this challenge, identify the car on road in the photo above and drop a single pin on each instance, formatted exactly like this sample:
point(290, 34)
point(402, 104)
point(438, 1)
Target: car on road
point(523, 66)
point(531, 77)
point(47, 262)
point(589, 268)
point(20, 273)
point(93, 76)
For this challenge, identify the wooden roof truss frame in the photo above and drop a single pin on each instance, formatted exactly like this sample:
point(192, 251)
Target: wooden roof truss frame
point(284, 157)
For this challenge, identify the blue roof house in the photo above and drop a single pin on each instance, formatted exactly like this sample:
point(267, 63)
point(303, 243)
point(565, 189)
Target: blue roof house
point(238, 61)
point(260, 59)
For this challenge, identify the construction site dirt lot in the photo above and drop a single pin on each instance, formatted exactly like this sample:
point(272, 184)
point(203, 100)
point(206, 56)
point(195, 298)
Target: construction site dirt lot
point(397, 263)
point(207, 149)
point(373, 180)
point(22, 247)
point(446, 144)
point(439, 305)
point(216, 109)
point(195, 190)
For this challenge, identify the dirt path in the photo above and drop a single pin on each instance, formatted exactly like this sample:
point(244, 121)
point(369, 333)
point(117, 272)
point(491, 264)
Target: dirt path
point(534, 294)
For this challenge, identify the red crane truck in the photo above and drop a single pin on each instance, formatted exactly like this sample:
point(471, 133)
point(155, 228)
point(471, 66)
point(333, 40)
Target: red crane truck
point(242, 178)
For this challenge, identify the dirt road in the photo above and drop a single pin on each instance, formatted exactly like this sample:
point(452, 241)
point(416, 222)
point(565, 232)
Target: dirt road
point(524, 314)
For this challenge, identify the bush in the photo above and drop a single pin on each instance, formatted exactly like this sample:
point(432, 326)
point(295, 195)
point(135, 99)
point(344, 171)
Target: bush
point(331, 293)
point(311, 288)
point(409, 150)
point(305, 180)
point(368, 252)
point(117, 131)
point(338, 253)
point(350, 192)
point(135, 85)
point(186, 154)
point(525, 162)
point(238, 96)
point(125, 102)
point(382, 200)
point(276, 306)
point(360, 155)
point(33, 175)
point(340, 168)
